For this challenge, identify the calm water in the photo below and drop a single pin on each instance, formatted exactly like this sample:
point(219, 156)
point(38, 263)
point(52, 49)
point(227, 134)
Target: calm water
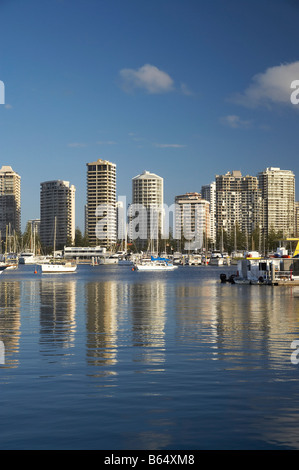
point(111, 359)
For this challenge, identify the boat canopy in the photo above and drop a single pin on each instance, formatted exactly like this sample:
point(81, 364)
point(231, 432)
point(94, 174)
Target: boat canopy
point(159, 259)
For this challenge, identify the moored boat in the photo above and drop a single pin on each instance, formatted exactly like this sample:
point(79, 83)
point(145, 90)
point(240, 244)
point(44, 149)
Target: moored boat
point(28, 257)
point(3, 267)
point(111, 259)
point(155, 264)
point(265, 271)
point(58, 267)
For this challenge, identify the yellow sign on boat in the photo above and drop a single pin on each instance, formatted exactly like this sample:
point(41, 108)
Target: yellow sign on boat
point(296, 252)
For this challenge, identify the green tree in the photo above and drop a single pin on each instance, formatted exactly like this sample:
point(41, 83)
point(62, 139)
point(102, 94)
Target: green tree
point(273, 238)
point(78, 237)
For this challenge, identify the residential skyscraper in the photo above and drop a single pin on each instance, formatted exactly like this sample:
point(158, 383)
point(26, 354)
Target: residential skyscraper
point(278, 192)
point(192, 220)
point(208, 192)
point(10, 201)
point(148, 193)
point(238, 203)
point(100, 211)
point(57, 213)
point(296, 219)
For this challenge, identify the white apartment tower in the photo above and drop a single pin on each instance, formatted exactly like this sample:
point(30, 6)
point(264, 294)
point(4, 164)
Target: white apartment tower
point(278, 192)
point(192, 221)
point(148, 195)
point(208, 193)
point(10, 202)
point(238, 203)
point(296, 219)
point(57, 213)
point(100, 211)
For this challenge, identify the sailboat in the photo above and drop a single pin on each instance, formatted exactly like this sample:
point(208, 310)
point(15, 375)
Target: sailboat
point(58, 266)
point(8, 259)
point(3, 267)
point(155, 264)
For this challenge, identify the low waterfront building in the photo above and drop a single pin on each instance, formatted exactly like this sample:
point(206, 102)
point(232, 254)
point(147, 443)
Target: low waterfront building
point(80, 253)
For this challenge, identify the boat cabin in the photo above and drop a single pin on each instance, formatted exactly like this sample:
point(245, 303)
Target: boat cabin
point(268, 269)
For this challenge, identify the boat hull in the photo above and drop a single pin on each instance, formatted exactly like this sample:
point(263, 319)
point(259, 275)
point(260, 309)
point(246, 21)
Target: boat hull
point(56, 268)
point(148, 267)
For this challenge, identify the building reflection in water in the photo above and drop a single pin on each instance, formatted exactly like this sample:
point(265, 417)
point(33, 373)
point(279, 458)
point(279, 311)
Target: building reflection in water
point(237, 321)
point(10, 321)
point(252, 324)
point(196, 313)
point(57, 313)
point(148, 310)
point(103, 302)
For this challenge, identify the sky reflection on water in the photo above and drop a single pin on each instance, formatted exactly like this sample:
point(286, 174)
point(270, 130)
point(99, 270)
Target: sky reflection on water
point(114, 359)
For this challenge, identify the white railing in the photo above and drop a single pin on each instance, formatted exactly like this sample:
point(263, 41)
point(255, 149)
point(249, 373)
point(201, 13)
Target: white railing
point(283, 276)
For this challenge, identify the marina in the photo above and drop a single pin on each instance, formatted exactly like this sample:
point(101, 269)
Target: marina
point(149, 227)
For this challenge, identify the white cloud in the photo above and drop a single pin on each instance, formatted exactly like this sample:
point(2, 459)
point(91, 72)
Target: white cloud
point(163, 146)
point(149, 78)
point(186, 90)
point(235, 122)
point(76, 144)
point(106, 142)
point(271, 86)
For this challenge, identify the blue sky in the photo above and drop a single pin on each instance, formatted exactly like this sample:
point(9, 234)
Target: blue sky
point(185, 89)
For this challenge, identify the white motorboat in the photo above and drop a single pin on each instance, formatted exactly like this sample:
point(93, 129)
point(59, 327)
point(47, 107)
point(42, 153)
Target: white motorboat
point(112, 259)
point(218, 258)
point(57, 267)
point(28, 257)
point(155, 264)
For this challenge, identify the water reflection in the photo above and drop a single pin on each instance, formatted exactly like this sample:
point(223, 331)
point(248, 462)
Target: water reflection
point(102, 307)
point(10, 322)
point(148, 312)
point(196, 312)
point(176, 361)
point(254, 325)
point(57, 313)
point(243, 325)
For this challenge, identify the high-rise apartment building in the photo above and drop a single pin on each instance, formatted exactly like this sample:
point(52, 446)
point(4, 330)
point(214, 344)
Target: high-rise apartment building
point(208, 192)
point(238, 203)
point(192, 220)
point(296, 219)
point(10, 202)
point(34, 225)
point(148, 194)
point(57, 213)
point(100, 211)
point(278, 192)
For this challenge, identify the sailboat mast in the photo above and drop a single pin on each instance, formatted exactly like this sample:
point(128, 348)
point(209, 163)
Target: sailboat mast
point(54, 237)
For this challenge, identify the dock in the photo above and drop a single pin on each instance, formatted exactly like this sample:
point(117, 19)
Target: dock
point(285, 283)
